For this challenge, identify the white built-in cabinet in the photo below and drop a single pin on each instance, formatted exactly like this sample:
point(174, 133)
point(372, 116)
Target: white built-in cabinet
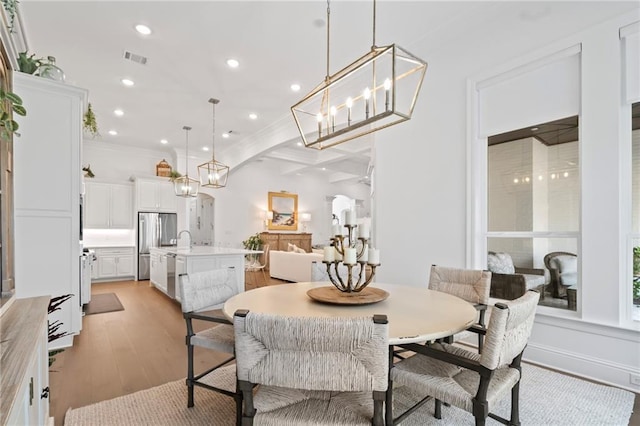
point(24, 383)
point(108, 206)
point(47, 178)
point(155, 195)
point(113, 263)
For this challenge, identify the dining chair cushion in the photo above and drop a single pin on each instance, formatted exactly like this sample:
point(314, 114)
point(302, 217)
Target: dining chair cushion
point(219, 338)
point(450, 383)
point(281, 406)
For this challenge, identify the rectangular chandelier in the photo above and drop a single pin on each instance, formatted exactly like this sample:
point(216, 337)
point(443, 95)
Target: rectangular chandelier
point(378, 90)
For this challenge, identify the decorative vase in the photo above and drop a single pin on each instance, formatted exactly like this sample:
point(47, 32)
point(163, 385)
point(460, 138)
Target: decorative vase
point(50, 70)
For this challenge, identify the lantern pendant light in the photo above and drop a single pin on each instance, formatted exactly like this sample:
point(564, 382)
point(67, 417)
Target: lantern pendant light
point(184, 186)
point(213, 174)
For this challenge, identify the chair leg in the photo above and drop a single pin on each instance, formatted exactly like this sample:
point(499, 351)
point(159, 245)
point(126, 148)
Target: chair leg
point(238, 398)
point(438, 411)
point(515, 405)
point(480, 343)
point(264, 275)
point(388, 401)
point(190, 375)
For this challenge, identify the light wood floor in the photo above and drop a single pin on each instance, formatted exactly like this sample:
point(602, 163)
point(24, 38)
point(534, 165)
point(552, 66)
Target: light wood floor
point(118, 353)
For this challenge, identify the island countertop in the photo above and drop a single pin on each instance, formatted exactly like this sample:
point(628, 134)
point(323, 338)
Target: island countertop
point(203, 251)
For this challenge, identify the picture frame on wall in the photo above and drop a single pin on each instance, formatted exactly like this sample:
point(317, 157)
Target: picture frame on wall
point(285, 211)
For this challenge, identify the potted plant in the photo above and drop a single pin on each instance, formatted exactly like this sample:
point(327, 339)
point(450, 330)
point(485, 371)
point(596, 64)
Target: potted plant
point(253, 242)
point(28, 64)
point(89, 123)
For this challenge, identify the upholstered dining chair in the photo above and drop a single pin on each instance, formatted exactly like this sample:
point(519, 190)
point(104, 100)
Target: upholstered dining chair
point(468, 284)
point(204, 291)
point(256, 266)
point(312, 370)
point(465, 379)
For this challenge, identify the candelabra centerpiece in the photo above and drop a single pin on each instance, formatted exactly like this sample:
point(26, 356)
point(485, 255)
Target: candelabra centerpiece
point(353, 252)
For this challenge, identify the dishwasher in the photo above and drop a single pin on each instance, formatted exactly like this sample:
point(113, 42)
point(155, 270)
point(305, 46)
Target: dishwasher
point(171, 275)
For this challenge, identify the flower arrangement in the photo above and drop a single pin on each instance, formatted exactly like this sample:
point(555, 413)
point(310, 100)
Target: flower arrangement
point(253, 242)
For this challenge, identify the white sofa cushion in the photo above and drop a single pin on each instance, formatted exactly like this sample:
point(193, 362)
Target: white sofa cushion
point(292, 266)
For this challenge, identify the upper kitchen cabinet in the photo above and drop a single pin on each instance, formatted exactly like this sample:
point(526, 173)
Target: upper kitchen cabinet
point(47, 177)
point(155, 195)
point(108, 206)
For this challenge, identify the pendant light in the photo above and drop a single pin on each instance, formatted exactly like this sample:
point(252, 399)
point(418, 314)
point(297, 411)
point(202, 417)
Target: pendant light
point(377, 90)
point(213, 174)
point(185, 186)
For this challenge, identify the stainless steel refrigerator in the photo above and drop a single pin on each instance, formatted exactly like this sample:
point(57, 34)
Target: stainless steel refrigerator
point(154, 230)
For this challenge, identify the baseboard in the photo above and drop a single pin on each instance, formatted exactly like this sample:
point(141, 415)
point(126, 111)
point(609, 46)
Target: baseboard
point(590, 368)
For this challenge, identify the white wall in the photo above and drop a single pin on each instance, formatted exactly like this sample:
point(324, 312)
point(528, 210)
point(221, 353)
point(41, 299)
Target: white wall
point(431, 186)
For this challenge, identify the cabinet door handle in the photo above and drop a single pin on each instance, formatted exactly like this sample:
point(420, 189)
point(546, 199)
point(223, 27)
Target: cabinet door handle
point(45, 393)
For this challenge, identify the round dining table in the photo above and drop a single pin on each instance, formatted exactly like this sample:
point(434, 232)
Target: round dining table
point(414, 314)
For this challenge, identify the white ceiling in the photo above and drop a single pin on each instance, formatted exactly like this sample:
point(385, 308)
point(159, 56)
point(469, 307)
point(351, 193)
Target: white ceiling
point(277, 44)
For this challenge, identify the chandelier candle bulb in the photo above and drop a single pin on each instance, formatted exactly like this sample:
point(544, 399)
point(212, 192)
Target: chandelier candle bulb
point(367, 95)
point(329, 254)
point(319, 118)
point(349, 256)
point(349, 104)
point(374, 257)
point(387, 89)
point(333, 118)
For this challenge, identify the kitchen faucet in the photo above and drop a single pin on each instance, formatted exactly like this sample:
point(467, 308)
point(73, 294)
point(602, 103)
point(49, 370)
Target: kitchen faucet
point(190, 238)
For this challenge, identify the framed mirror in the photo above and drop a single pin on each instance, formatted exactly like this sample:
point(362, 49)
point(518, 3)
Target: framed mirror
point(285, 211)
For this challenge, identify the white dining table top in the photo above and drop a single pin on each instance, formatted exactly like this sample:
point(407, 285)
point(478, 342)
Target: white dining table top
point(414, 314)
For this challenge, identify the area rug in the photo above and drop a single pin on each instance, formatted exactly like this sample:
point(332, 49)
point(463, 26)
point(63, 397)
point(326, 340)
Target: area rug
point(101, 303)
point(546, 398)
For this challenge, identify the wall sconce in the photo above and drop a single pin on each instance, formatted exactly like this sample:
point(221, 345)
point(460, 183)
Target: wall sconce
point(268, 216)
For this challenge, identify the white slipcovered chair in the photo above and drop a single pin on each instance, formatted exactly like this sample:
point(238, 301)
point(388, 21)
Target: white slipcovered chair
point(205, 291)
point(316, 371)
point(468, 284)
point(254, 265)
point(468, 380)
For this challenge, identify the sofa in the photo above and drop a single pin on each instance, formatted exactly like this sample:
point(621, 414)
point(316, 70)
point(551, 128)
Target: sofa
point(509, 282)
point(292, 266)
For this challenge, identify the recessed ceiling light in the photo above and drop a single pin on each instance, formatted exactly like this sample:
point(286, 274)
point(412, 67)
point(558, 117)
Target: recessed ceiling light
point(118, 112)
point(113, 132)
point(164, 141)
point(324, 168)
point(143, 29)
point(127, 82)
point(205, 148)
point(225, 135)
point(299, 144)
point(295, 87)
point(533, 129)
point(233, 63)
point(253, 116)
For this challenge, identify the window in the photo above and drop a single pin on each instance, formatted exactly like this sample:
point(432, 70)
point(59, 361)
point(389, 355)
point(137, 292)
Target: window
point(533, 202)
point(635, 211)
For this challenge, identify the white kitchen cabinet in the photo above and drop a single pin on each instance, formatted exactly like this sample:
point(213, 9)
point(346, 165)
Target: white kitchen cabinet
point(114, 263)
point(158, 271)
point(24, 384)
point(47, 177)
point(155, 195)
point(108, 206)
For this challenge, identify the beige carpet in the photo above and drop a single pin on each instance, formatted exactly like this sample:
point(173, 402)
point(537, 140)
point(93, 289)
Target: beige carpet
point(546, 398)
point(101, 303)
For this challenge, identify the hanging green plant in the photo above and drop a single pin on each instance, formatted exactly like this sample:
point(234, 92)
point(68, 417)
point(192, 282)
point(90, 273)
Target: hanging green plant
point(90, 124)
point(10, 102)
point(11, 7)
point(173, 175)
point(28, 64)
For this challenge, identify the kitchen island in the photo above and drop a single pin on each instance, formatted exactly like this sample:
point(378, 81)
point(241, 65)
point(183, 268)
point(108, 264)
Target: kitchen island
point(168, 263)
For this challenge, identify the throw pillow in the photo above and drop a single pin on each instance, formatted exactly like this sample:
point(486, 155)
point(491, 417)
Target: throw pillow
point(291, 247)
point(299, 249)
point(500, 263)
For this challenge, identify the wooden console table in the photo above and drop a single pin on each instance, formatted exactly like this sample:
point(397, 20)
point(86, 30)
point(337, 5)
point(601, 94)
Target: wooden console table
point(279, 240)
